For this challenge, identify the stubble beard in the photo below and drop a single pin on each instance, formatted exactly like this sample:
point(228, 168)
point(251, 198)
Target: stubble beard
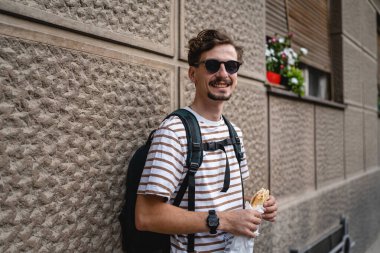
point(218, 97)
point(215, 97)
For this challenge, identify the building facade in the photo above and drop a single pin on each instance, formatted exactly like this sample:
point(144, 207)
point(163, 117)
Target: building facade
point(82, 83)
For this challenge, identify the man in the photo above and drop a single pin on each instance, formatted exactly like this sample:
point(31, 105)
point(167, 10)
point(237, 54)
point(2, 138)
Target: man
point(214, 60)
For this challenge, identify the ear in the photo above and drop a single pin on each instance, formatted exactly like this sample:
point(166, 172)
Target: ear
point(191, 74)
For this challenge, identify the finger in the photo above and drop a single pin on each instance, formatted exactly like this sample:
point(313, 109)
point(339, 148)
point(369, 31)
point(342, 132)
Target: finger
point(257, 214)
point(271, 209)
point(251, 234)
point(271, 201)
point(271, 220)
point(270, 216)
point(252, 231)
point(256, 220)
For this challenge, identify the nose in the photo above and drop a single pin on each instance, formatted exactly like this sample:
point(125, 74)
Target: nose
point(222, 71)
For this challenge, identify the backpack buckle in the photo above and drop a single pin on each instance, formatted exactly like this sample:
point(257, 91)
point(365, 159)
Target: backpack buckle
point(210, 146)
point(193, 167)
point(196, 146)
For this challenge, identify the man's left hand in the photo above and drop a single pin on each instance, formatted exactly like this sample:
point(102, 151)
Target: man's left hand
point(270, 212)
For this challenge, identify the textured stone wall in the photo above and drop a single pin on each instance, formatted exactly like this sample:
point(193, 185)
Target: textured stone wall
point(144, 24)
point(69, 121)
point(359, 63)
point(291, 147)
point(299, 223)
point(82, 83)
point(244, 20)
point(354, 140)
point(371, 144)
point(147, 20)
point(353, 91)
point(329, 145)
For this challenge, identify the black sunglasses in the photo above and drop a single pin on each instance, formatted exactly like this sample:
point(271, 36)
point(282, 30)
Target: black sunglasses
point(213, 65)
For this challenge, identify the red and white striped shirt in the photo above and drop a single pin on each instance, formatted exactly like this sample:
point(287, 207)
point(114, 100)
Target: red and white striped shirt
point(164, 171)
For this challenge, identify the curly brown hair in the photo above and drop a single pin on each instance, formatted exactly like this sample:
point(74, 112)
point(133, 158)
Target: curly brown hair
point(206, 40)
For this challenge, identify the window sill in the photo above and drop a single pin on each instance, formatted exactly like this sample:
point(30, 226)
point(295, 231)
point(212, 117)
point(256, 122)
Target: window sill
point(280, 91)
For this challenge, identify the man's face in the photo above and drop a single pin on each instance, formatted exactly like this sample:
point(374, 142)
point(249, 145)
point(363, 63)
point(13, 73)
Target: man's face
point(217, 86)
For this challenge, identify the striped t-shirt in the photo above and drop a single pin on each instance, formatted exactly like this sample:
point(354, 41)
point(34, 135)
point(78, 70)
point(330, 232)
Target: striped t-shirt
point(164, 170)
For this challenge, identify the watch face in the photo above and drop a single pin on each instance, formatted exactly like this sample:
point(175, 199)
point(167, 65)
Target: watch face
point(213, 221)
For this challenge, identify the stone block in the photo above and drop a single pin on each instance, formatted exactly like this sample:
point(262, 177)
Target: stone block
point(247, 109)
point(329, 145)
point(306, 218)
point(243, 20)
point(291, 127)
point(368, 76)
point(354, 140)
point(353, 89)
point(186, 88)
point(364, 192)
point(145, 24)
point(352, 26)
point(368, 27)
point(71, 122)
point(361, 29)
point(371, 143)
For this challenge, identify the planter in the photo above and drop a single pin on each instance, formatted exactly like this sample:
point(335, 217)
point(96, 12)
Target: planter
point(273, 77)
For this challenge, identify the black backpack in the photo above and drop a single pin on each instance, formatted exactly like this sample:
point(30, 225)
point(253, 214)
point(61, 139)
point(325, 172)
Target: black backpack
point(135, 241)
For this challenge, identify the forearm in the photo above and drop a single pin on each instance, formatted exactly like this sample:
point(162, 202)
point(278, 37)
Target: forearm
point(152, 214)
point(155, 216)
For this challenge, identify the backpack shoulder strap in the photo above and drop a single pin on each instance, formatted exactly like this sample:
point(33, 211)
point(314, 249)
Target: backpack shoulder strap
point(194, 138)
point(237, 148)
point(235, 140)
point(193, 162)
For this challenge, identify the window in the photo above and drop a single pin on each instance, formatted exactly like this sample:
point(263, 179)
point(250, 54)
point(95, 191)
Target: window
point(317, 83)
point(309, 21)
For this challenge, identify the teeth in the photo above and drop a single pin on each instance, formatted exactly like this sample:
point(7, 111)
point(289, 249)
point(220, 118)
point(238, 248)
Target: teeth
point(220, 85)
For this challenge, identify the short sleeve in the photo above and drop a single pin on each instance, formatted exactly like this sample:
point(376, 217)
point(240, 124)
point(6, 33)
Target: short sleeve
point(164, 166)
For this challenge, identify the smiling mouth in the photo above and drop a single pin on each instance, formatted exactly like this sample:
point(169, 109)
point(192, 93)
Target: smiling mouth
point(221, 83)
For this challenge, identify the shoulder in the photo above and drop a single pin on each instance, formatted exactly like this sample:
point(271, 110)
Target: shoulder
point(237, 129)
point(173, 123)
point(172, 128)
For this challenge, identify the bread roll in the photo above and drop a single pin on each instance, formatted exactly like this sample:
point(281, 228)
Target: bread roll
point(260, 197)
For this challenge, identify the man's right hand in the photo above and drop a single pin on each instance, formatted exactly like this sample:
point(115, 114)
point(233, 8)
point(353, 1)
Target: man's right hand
point(240, 222)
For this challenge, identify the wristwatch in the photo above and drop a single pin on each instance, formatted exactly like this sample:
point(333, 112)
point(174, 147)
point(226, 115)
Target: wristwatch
point(212, 221)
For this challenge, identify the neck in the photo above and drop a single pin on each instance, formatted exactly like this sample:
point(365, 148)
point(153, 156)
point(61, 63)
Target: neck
point(209, 111)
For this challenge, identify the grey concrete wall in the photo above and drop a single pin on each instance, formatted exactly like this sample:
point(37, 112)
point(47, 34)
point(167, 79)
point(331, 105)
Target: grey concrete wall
point(82, 83)
point(291, 147)
point(329, 138)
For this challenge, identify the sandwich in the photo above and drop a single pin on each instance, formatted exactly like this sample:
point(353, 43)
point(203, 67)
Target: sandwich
point(260, 197)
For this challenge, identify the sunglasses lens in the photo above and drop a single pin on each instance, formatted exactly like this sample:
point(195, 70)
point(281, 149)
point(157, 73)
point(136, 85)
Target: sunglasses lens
point(212, 66)
point(231, 66)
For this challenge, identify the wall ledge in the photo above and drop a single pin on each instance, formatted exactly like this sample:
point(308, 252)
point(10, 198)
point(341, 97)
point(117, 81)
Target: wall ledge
point(279, 91)
point(293, 201)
